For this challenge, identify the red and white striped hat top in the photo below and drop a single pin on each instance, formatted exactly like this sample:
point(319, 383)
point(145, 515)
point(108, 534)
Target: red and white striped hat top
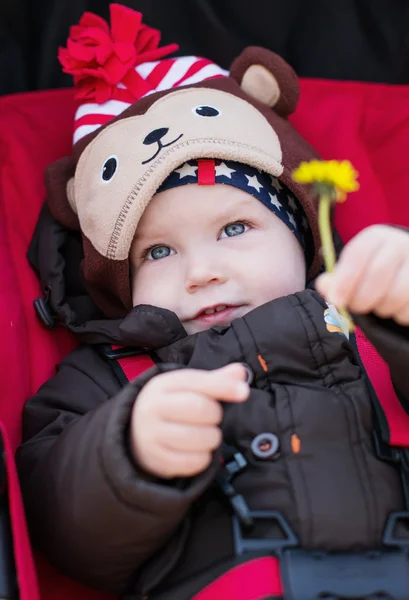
point(114, 66)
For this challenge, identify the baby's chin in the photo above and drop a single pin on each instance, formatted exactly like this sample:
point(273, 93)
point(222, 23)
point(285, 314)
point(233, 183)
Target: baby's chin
point(191, 328)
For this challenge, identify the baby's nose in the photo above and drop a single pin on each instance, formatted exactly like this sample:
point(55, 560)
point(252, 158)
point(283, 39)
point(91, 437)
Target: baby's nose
point(202, 273)
point(155, 135)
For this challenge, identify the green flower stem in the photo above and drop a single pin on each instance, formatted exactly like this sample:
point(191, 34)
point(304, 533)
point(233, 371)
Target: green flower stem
point(324, 224)
point(328, 250)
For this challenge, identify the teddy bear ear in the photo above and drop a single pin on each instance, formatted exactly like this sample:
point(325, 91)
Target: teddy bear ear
point(59, 183)
point(268, 78)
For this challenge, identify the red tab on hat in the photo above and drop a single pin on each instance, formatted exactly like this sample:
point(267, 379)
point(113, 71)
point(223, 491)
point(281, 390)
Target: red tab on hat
point(206, 172)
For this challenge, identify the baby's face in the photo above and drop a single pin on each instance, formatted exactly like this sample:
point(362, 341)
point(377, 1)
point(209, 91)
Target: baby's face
point(211, 254)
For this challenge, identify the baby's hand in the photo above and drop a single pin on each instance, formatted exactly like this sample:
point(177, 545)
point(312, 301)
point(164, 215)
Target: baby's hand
point(175, 421)
point(372, 274)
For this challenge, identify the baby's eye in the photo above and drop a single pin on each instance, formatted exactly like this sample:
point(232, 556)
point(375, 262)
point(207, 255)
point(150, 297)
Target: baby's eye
point(233, 229)
point(158, 252)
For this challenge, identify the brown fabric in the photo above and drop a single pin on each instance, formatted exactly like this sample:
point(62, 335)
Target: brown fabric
point(108, 283)
point(286, 79)
point(102, 521)
point(56, 178)
point(109, 214)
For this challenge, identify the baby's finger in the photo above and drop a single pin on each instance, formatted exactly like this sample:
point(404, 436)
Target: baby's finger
point(323, 284)
point(192, 408)
point(188, 438)
point(376, 280)
point(397, 297)
point(353, 262)
point(170, 463)
point(402, 315)
point(225, 384)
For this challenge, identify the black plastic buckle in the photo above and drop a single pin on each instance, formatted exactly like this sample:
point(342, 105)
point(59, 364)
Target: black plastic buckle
point(243, 542)
point(382, 575)
point(307, 575)
point(395, 456)
point(44, 311)
point(124, 352)
point(234, 464)
point(384, 451)
point(390, 538)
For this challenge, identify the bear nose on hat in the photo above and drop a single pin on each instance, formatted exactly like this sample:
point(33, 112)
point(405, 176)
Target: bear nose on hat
point(155, 135)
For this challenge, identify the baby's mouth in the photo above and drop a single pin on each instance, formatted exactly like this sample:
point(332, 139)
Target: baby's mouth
point(211, 311)
point(219, 314)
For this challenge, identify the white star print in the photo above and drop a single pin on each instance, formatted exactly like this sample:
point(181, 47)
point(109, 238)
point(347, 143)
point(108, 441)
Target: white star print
point(274, 200)
point(276, 183)
point(291, 203)
point(304, 223)
point(223, 169)
point(292, 221)
point(254, 182)
point(186, 170)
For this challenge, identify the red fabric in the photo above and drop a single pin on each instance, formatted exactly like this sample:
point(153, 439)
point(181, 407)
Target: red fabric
point(34, 130)
point(253, 580)
point(135, 365)
point(159, 72)
point(99, 57)
point(366, 123)
point(378, 373)
point(206, 173)
point(197, 66)
point(93, 119)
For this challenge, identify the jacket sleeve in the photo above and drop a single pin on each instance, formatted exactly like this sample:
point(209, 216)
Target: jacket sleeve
point(392, 342)
point(89, 509)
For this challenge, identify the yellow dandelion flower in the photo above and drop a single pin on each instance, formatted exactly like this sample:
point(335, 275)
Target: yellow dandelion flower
point(338, 176)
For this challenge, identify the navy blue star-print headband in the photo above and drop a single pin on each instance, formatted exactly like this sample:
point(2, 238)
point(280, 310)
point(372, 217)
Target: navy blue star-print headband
point(262, 186)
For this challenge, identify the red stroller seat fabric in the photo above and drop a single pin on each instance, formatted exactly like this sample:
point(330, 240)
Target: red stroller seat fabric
point(365, 123)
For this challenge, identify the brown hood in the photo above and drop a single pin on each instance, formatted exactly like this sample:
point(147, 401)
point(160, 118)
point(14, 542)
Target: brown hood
point(251, 127)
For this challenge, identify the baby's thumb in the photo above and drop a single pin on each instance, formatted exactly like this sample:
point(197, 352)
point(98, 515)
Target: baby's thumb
point(323, 284)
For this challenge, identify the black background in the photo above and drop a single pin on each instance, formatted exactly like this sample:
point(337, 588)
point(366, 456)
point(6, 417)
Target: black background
point(364, 40)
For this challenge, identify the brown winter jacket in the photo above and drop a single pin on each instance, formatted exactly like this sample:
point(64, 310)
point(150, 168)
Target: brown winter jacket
point(106, 523)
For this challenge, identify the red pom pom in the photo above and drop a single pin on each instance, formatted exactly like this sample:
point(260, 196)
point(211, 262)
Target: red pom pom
point(99, 57)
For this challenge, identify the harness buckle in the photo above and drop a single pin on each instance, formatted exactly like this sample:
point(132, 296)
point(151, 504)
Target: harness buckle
point(383, 450)
point(391, 538)
point(380, 574)
point(234, 463)
point(243, 542)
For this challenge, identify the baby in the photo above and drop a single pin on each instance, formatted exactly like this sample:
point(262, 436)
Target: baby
point(176, 231)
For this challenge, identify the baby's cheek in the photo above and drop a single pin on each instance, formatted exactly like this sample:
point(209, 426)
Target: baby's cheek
point(142, 287)
point(278, 277)
point(154, 288)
